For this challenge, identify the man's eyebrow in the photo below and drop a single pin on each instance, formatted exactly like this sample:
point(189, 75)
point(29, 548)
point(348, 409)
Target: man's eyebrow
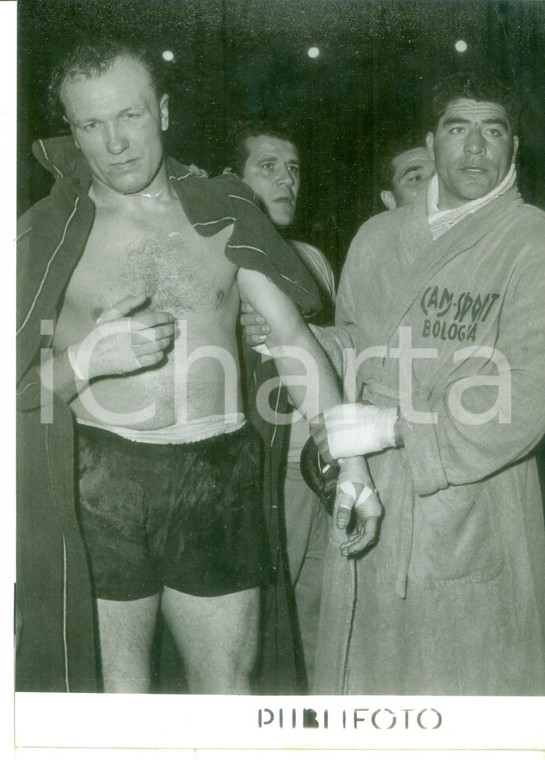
point(412, 168)
point(455, 120)
point(86, 119)
point(459, 120)
point(135, 107)
point(499, 120)
point(274, 157)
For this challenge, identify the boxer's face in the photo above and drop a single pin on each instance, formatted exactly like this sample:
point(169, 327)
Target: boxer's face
point(117, 122)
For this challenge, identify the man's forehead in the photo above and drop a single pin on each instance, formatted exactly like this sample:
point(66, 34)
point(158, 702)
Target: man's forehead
point(474, 110)
point(414, 156)
point(258, 145)
point(124, 77)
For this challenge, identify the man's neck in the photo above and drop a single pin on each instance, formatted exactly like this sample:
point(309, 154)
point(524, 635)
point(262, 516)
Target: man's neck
point(156, 195)
point(440, 220)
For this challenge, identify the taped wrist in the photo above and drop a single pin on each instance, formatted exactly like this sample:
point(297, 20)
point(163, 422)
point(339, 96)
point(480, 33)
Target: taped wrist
point(88, 360)
point(354, 429)
point(353, 470)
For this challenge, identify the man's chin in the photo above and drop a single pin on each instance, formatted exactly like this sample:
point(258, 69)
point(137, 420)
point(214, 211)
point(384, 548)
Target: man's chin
point(281, 220)
point(130, 183)
point(131, 188)
point(124, 186)
point(472, 191)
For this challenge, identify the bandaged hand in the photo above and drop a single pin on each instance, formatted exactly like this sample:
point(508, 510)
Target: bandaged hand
point(349, 430)
point(120, 344)
point(355, 492)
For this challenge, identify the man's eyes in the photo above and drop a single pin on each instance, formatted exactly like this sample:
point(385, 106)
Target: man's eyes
point(490, 131)
point(90, 126)
point(270, 165)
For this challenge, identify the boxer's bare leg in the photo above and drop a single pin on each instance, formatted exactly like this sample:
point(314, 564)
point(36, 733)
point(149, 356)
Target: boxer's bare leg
point(217, 638)
point(126, 634)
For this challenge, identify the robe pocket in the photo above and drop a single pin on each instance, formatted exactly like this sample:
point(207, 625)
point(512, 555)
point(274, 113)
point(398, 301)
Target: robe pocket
point(456, 538)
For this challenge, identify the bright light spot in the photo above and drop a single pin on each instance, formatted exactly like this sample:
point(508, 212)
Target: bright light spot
point(461, 46)
point(168, 55)
point(313, 52)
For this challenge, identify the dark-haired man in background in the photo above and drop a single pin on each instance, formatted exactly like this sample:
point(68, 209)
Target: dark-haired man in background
point(405, 167)
point(265, 157)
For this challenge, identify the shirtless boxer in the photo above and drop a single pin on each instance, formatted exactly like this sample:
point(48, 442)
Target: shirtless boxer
point(164, 459)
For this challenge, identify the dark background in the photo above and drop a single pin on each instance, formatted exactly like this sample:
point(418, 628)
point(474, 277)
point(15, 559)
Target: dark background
point(237, 58)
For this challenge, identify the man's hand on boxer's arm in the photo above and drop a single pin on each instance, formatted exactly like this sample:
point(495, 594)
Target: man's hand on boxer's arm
point(354, 493)
point(349, 430)
point(197, 171)
point(255, 328)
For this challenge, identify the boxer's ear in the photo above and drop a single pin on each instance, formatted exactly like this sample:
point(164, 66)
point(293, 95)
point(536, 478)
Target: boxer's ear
point(387, 197)
point(163, 108)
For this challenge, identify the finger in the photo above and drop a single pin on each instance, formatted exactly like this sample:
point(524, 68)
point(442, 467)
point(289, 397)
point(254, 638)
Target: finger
point(252, 321)
point(246, 308)
point(122, 308)
point(255, 341)
point(197, 171)
point(147, 334)
point(151, 319)
point(150, 347)
point(343, 517)
point(344, 501)
point(364, 539)
point(148, 360)
point(253, 332)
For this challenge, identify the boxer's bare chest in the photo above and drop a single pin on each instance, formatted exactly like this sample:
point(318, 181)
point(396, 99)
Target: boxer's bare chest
point(159, 254)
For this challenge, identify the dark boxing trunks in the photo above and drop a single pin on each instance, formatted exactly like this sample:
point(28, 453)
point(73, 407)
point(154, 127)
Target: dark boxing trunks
point(187, 516)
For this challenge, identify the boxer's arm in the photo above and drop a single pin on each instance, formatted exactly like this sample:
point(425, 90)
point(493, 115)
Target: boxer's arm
point(293, 346)
point(296, 351)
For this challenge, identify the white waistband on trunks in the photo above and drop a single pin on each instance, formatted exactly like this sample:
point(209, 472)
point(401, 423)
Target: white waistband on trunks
point(181, 432)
